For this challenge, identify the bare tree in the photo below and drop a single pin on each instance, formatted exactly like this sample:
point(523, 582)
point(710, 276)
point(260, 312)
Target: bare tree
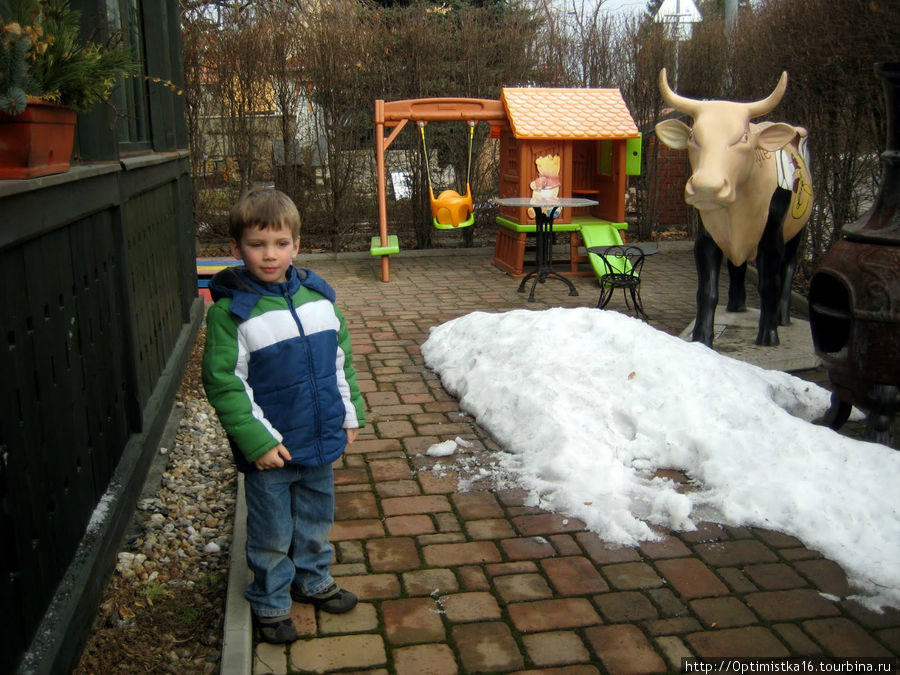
point(337, 56)
point(195, 26)
point(244, 85)
point(209, 146)
point(287, 86)
point(643, 51)
point(295, 153)
point(575, 44)
point(829, 50)
point(705, 60)
point(413, 49)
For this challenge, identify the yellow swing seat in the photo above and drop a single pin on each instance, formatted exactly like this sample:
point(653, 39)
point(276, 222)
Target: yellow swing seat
point(451, 209)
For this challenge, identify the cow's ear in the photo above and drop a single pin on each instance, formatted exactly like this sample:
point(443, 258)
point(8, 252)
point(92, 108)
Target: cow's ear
point(673, 133)
point(776, 136)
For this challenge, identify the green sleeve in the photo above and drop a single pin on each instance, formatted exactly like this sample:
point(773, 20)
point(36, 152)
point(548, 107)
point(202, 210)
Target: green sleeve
point(344, 344)
point(228, 392)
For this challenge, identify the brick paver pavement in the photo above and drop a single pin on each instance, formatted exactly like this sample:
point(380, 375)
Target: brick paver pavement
point(466, 579)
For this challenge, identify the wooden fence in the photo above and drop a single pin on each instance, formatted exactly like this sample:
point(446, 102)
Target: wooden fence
point(99, 310)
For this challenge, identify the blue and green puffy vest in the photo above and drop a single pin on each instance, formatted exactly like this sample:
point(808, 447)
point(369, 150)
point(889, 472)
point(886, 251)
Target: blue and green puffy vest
point(278, 367)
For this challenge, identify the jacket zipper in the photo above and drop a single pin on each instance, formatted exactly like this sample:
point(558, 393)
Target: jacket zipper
point(310, 368)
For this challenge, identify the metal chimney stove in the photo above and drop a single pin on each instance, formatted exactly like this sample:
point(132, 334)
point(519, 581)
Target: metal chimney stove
point(854, 297)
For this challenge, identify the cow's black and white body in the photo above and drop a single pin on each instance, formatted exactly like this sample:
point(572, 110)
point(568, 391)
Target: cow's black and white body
point(752, 188)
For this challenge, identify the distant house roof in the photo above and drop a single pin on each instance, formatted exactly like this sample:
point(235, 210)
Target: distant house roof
point(541, 113)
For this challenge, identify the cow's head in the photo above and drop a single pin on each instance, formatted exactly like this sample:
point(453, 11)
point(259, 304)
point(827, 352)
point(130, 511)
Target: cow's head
point(722, 144)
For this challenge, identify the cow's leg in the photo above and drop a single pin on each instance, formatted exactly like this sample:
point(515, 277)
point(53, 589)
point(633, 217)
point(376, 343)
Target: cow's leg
point(770, 265)
point(708, 260)
point(790, 266)
point(737, 290)
point(769, 275)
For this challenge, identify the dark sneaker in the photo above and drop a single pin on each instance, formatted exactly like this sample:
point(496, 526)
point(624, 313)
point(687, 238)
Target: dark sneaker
point(333, 600)
point(276, 630)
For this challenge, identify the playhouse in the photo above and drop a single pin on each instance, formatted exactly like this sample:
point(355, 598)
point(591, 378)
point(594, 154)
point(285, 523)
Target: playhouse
point(553, 142)
point(572, 143)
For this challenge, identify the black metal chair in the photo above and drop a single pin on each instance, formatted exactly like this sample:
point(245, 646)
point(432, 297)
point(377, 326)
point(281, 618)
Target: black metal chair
point(622, 265)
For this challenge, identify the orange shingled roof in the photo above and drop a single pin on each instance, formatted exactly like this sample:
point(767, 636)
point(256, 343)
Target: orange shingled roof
point(542, 113)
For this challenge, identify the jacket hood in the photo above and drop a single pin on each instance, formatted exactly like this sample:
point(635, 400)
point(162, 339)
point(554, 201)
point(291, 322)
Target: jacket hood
point(245, 290)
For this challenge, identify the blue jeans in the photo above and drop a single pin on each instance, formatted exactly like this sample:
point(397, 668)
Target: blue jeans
point(290, 512)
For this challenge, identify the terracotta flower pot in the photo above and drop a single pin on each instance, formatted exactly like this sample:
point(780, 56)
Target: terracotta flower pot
point(36, 142)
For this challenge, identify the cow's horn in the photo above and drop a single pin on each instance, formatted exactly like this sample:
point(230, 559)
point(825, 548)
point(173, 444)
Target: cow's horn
point(765, 105)
point(680, 103)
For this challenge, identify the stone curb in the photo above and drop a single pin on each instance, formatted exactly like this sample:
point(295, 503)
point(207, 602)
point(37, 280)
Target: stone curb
point(237, 645)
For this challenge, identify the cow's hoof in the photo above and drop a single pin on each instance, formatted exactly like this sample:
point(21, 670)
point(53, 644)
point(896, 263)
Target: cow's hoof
point(742, 307)
point(707, 340)
point(767, 338)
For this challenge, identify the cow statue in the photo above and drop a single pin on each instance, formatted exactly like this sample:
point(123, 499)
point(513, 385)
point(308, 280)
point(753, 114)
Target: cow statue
point(752, 187)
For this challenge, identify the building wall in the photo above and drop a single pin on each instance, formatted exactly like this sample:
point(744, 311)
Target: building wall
point(99, 310)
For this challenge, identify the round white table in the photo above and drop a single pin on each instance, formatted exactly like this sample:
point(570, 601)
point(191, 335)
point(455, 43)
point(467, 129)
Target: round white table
point(546, 209)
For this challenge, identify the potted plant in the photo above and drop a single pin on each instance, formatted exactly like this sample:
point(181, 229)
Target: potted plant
point(48, 73)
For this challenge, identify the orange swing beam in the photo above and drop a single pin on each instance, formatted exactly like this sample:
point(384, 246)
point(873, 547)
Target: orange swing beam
point(396, 114)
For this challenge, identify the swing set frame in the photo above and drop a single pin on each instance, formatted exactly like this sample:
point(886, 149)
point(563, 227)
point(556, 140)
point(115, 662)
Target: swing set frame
point(395, 115)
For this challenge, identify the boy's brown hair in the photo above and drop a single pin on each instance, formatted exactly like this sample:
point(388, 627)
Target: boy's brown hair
point(263, 208)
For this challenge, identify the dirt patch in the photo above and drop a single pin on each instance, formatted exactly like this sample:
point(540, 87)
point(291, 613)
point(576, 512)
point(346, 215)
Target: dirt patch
point(177, 632)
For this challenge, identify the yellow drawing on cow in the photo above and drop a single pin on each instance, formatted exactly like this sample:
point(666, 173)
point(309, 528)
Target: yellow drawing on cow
point(802, 199)
point(546, 184)
point(792, 164)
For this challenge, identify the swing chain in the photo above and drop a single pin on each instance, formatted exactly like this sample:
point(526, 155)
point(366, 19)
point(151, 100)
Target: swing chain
point(472, 124)
point(425, 150)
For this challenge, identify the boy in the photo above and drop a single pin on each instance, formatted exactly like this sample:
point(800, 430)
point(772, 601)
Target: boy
point(278, 370)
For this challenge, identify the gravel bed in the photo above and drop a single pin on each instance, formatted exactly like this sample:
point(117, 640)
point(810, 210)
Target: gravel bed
point(163, 608)
point(188, 522)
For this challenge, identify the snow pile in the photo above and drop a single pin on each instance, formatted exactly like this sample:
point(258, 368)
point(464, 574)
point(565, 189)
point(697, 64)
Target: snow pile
point(590, 404)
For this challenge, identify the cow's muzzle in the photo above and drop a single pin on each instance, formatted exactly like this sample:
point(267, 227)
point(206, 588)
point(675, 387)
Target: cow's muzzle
point(705, 193)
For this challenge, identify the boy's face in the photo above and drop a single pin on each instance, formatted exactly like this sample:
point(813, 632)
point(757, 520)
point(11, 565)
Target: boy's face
point(266, 253)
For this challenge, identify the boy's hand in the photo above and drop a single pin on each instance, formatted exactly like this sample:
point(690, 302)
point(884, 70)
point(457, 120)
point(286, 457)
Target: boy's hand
point(273, 459)
point(351, 435)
